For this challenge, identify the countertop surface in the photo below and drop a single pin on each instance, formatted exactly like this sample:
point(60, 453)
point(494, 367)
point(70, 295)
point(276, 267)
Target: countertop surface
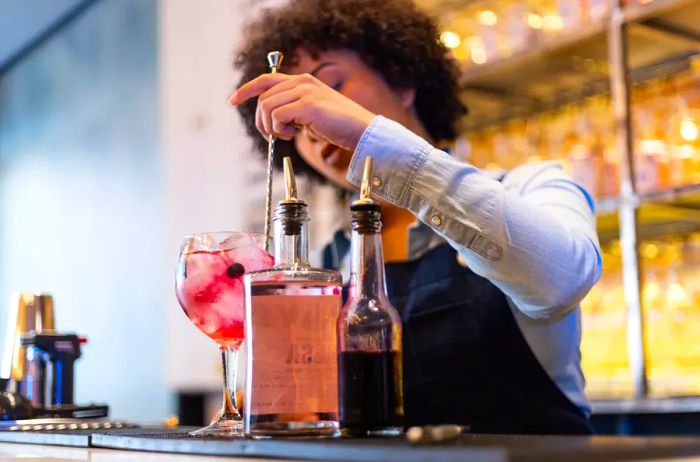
point(40, 453)
point(157, 444)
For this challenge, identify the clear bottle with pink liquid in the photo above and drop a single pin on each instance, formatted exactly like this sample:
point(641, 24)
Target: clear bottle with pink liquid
point(291, 310)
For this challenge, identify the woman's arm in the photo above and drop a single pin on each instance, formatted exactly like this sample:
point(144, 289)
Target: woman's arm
point(533, 234)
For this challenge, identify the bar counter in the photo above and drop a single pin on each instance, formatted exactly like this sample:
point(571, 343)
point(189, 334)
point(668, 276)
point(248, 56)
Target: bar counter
point(156, 444)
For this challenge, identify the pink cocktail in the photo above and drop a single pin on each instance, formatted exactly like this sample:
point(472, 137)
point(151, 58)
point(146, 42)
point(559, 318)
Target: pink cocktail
point(209, 287)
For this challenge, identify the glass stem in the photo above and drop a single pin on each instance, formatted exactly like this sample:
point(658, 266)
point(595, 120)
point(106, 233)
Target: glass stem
point(229, 358)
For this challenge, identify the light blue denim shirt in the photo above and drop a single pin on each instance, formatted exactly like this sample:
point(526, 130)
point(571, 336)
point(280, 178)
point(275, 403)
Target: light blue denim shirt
point(530, 231)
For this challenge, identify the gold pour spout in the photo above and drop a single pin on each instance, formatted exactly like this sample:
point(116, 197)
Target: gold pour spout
point(290, 184)
point(366, 186)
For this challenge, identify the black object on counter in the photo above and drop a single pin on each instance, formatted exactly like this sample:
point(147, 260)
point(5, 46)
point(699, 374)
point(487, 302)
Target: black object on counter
point(62, 350)
point(59, 352)
point(14, 406)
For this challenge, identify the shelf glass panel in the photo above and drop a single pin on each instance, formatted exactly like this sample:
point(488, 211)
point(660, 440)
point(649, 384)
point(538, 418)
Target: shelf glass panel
point(671, 307)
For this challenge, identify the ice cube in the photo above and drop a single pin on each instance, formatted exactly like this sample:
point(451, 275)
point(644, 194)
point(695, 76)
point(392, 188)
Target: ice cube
point(210, 322)
point(237, 240)
point(214, 299)
point(201, 242)
point(252, 257)
point(229, 304)
point(203, 269)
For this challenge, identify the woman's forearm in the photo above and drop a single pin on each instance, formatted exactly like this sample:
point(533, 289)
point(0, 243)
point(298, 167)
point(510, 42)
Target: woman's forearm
point(532, 234)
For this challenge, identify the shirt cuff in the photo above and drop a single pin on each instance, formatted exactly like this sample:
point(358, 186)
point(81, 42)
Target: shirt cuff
point(398, 155)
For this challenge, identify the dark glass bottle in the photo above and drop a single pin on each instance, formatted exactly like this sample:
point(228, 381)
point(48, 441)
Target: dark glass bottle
point(370, 379)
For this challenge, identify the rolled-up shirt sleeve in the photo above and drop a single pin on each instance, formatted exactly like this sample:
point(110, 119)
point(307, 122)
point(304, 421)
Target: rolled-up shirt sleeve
point(532, 234)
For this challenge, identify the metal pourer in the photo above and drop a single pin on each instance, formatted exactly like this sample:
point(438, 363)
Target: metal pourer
point(366, 215)
point(274, 59)
point(290, 184)
point(366, 186)
point(291, 211)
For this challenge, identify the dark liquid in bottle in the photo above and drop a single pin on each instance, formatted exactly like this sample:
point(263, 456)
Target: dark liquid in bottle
point(370, 394)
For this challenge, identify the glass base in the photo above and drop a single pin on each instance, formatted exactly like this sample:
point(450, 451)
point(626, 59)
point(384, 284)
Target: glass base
point(317, 429)
point(222, 428)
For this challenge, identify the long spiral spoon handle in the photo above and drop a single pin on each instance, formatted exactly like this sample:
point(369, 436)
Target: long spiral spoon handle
point(274, 59)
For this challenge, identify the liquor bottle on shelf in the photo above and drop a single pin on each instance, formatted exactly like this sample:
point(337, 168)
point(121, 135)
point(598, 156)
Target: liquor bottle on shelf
point(687, 345)
point(611, 160)
point(685, 131)
point(671, 315)
point(291, 313)
point(650, 114)
point(369, 332)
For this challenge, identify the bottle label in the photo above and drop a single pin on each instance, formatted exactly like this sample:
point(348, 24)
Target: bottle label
point(294, 354)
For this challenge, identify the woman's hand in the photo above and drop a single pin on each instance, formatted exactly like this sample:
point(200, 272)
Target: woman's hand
point(288, 103)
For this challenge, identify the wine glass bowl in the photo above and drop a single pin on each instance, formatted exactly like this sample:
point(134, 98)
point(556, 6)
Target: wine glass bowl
point(209, 281)
point(209, 287)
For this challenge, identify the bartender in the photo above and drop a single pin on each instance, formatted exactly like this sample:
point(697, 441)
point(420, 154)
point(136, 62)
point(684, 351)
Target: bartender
point(486, 268)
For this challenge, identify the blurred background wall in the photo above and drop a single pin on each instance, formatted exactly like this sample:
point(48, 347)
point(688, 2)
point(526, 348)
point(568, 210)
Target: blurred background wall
point(116, 140)
point(81, 197)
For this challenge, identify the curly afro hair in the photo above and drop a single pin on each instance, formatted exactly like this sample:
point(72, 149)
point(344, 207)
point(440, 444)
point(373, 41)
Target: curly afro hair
point(391, 36)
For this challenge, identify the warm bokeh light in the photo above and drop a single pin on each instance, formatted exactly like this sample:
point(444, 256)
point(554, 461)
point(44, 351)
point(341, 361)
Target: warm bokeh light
point(450, 39)
point(687, 151)
point(535, 21)
point(650, 292)
point(656, 146)
point(487, 17)
point(689, 129)
point(478, 55)
point(553, 22)
point(477, 50)
point(677, 295)
point(650, 251)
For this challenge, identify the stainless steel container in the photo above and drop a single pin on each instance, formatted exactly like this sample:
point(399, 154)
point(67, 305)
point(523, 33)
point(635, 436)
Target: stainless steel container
point(24, 368)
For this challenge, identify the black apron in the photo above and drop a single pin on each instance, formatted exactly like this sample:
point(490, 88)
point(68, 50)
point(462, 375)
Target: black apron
point(465, 359)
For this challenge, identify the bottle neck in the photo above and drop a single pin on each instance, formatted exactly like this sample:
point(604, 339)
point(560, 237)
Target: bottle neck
point(367, 278)
point(291, 245)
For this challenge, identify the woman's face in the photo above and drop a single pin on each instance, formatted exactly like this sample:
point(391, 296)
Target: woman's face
point(346, 73)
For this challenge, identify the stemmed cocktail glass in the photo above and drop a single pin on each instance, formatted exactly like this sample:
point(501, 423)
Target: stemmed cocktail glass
point(209, 287)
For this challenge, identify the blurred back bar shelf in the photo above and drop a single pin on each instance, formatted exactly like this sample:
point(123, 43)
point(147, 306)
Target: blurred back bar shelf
point(612, 92)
